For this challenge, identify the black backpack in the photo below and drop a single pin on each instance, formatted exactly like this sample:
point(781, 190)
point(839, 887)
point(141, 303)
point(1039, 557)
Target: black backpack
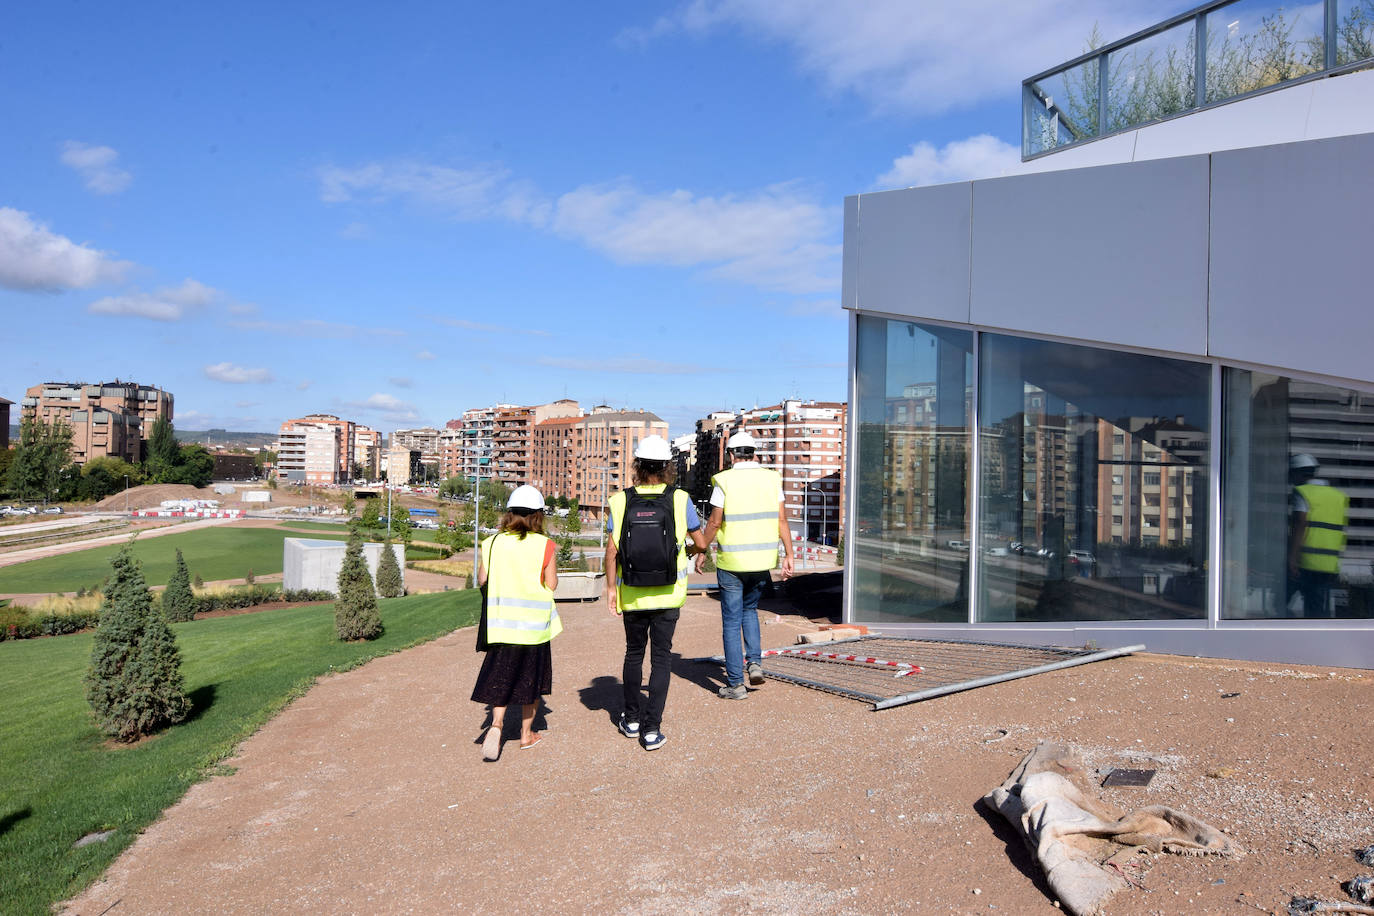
point(648, 539)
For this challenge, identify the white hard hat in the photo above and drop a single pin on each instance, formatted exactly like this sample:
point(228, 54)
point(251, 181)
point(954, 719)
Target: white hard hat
point(654, 448)
point(741, 439)
point(525, 497)
point(1300, 461)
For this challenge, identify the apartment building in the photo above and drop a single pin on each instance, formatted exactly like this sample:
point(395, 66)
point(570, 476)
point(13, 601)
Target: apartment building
point(805, 442)
point(110, 419)
point(404, 465)
point(424, 440)
point(609, 439)
point(558, 448)
point(708, 455)
point(367, 451)
point(5, 423)
point(465, 446)
point(512, 440)
point(315, 449)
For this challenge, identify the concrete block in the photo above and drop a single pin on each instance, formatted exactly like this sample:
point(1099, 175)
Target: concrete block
point(818, 636)
point(315, 564)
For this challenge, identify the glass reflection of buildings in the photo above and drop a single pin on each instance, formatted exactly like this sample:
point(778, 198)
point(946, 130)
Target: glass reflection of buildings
point(920, 454)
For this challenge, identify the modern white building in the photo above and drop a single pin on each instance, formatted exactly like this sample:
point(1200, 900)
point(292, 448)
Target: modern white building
point(1076, 392)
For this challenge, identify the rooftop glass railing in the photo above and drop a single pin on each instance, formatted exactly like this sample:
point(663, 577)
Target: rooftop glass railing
point(1219, 52)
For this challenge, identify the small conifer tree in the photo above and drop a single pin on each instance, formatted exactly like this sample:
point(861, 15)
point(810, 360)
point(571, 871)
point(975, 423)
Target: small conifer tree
point(565, 553)
point(582, 561)
point(198, 582)
point(178, 602)
point(134, 684)
point(249, 579)
point(389, 574)
point(355, 611)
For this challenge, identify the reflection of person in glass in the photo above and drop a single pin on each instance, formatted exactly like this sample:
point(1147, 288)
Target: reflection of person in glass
point(1317, 514)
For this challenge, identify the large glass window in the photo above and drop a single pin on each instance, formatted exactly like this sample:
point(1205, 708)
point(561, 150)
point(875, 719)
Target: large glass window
point(910, 543)
point(1298, 487)
point(1094, 483)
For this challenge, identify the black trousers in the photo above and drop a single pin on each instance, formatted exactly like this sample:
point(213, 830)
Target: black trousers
point(654, 629)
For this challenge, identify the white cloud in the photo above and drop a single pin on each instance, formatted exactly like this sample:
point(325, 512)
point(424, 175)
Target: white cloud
point(96, 166)
point(925, 57)
point(315, 328)
point(634, 365)
point(237, 375)
point(402, 382)
point(390, 408)
point(466, 325)
point(482, 191)
point(983, 156)
point(168, 304)
point(774, 239)
point(304, 384)
point(425, 355)
point(777, 238)
point(243, 405)
point(33, 258)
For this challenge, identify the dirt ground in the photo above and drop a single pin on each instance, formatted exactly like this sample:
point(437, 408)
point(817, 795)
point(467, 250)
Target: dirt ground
point(369, 794)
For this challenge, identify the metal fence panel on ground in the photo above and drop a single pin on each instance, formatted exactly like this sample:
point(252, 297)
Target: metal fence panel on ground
point(882, 670)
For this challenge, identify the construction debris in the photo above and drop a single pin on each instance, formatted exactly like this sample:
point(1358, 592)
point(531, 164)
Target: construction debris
point(1088, 849)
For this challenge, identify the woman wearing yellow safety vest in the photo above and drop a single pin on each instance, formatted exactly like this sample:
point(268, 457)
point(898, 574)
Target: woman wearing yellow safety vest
point(518, 575)
point(650, 581)
point(747, 510)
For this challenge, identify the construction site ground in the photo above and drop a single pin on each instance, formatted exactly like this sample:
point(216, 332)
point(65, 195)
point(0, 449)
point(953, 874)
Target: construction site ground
point(369, 794)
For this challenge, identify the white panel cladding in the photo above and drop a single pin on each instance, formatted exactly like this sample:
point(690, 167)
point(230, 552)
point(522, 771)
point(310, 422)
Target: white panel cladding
point(849, 281)
point(1116, 254)
point(1292, 238)
point(913, 252)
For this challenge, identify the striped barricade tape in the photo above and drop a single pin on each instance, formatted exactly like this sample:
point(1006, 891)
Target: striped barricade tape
point(906, 667)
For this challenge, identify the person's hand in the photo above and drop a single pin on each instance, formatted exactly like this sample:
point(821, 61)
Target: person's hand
point(700, 562)
point(787, 564)
point(610, 600)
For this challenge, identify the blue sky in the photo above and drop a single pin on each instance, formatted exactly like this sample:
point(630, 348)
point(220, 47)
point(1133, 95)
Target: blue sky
point(396, 213)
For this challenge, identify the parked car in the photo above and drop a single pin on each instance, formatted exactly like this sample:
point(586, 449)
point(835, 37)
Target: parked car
point(53, 510)
point(1084, 560)
point(957, 545)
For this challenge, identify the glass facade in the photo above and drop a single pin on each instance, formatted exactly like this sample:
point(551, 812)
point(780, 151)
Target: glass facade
point(1298, 492)
point(911, 515)
point(1093, 480)
point(1094, 483)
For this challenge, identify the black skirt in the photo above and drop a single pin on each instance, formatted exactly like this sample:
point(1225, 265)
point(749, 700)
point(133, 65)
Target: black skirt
point(511, 674)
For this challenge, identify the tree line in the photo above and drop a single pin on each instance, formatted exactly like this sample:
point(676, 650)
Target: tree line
point(40, 466)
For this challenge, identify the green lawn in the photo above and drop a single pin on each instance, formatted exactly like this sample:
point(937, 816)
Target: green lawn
point(211, 553)
point(416, 534)
point(58, 780)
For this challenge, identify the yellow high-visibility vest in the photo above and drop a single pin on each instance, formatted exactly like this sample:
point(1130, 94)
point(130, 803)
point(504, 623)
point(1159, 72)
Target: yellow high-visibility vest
point(1325, 536)
point(652, 597)
point(748, 535)
point(520, 608)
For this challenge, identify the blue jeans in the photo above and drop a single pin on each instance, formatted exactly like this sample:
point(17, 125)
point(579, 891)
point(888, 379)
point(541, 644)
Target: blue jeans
point(739, 616)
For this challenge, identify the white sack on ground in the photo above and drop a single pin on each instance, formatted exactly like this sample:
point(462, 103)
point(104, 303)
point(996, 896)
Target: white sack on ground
point(1084, 845)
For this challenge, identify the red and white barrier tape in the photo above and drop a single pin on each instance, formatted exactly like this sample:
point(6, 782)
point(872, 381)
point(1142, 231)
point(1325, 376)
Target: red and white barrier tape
point(906, 667)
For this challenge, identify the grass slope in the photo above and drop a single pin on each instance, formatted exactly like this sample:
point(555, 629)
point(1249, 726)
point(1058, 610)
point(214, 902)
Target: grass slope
point(211, 553)
point(59, 781)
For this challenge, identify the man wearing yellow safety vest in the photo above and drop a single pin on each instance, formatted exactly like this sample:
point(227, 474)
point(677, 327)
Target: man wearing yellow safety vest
point(1319, 513)
point(748, 519)
point(646, 562)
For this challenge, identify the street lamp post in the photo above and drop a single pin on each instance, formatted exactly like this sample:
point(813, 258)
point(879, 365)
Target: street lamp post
point(126, 494)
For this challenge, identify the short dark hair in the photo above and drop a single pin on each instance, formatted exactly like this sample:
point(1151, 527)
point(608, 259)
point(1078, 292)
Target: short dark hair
point(521, 522)
point(650, 471)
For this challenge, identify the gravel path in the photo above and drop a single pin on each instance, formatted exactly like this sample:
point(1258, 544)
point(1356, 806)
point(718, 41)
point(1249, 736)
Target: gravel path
point(368, 795)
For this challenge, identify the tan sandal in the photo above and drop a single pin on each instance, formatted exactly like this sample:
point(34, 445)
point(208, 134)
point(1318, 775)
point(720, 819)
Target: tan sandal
point(491, 744)
point(534, 739)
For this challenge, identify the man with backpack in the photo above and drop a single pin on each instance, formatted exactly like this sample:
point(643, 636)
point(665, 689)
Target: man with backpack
point(747, 510)
point(646, 551)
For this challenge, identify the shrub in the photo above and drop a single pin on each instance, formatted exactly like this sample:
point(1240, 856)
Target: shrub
point(355, 611)
point(198, 582)
point(389, 574)
point(249, 579)
point(565, 553)
point(234, 598)
point(178, 602)
point(307, 594)
point(134, 684)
